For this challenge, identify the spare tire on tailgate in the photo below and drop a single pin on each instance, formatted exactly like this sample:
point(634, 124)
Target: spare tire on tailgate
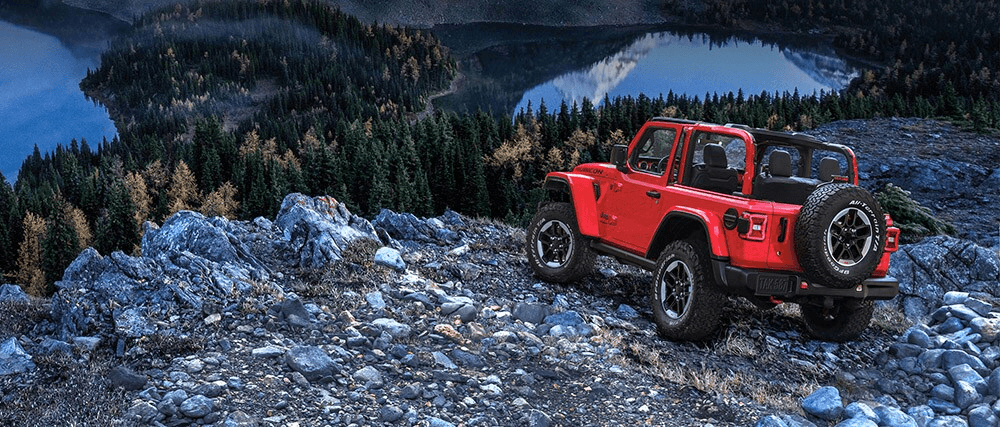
point(839, 235)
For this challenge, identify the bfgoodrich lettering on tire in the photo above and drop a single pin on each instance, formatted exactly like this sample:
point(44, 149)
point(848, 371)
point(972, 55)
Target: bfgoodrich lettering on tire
point(686, 302)
point(556, 250)
point(840, 235)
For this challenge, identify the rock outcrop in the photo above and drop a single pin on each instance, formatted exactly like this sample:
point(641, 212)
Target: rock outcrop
point(936, 265)
point(194, 262)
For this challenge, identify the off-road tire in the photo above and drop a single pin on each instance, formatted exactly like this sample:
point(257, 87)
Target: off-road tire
point(839, 235)
point(844, 322)
point(687, 303)
point(557, 252)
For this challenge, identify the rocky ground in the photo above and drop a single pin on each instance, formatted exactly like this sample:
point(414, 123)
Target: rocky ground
point(320, 317)
point(323, 318)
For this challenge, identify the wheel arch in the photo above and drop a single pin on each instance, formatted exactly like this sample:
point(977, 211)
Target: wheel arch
point(579, 190)
point(680, 225)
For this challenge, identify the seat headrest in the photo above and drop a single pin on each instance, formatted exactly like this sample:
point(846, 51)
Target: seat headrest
point(780, 163)
point(828, 168)
point(715, 156)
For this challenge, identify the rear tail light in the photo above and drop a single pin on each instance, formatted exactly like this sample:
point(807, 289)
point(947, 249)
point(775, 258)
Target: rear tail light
point(891, 236)
point(757, 226)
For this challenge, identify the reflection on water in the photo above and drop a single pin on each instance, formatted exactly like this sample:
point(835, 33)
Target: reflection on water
point(505, 66)
point(40, 98)
point(658, 63)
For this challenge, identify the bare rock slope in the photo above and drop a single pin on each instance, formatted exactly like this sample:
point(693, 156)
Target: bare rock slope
point(324, 318)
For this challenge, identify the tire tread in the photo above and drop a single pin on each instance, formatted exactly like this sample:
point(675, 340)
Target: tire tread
point(810, 229)
point(582, 262)
point(704, 315)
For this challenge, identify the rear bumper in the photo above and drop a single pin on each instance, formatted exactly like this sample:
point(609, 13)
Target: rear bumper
point(789, 286)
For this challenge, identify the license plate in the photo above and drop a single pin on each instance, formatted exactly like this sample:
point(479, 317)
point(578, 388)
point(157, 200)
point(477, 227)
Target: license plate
point(773, 284)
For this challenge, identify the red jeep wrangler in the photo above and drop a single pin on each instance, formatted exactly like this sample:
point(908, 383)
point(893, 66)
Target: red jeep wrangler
point(717, 210)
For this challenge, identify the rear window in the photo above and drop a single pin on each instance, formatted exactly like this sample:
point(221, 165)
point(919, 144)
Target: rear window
point(736, 150)
point(793, 153)
point(818, 157)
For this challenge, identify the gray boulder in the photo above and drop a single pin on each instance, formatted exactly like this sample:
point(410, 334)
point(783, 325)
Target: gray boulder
point(13, 293)
point(126, 378)
point(369, 376)
point(319, 228)
point(391, 258)
point(239, 419)
point(824, 403)
point(407, 227)
point(197, 406)
point(312, 362)
point(966, 395)
point(982, 416)
point(922, 414)
point(889, 416)
point(188, 231)
point(13, 358)
point(857, 422)
point(141, 413)
point(530, 312)
point(392, 327)
point(948, 421)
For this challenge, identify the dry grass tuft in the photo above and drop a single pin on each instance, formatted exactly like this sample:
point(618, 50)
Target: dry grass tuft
point(19, 318)
point(361, 252)
point(890, 318)
point(66, 392)
point(167, 347)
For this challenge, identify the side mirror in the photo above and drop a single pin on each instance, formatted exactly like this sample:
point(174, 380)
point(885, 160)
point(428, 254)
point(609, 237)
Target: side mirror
point(619, 157)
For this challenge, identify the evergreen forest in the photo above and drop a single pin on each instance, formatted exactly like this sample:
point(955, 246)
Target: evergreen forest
point(226, 106)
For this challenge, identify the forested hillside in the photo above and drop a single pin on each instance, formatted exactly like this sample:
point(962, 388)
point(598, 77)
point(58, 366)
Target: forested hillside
point(927, 48)
point(226, 106)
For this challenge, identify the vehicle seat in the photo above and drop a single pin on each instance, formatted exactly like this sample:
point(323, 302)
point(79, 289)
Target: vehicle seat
point(715, 174)
point(780, 186)
point(828, 168)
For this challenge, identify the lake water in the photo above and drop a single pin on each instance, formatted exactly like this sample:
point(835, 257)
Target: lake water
point(573, 64)
point(658, 63)
point(40, 98)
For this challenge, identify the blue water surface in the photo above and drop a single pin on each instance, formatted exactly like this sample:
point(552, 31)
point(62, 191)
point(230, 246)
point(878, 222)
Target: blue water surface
point(661, 62)
point(40, 99)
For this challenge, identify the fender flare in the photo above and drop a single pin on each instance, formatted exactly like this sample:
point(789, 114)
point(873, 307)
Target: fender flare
point(582, 192)
point(677, 224)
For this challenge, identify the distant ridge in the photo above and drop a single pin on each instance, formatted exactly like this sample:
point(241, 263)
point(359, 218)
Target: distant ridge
point(428, 13)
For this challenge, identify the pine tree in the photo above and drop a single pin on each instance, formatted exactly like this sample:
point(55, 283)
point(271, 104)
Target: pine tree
point(221, 202)
point(29, 256)
point(183, 192)
point(116, 229)
point(80, 225)
point(208, 139)
point(8, 207)
point(59, 247)
point(139, 194)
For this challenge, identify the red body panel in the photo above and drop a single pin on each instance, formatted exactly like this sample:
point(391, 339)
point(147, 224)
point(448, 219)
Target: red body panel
point(582, 191)
point(626, 210)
